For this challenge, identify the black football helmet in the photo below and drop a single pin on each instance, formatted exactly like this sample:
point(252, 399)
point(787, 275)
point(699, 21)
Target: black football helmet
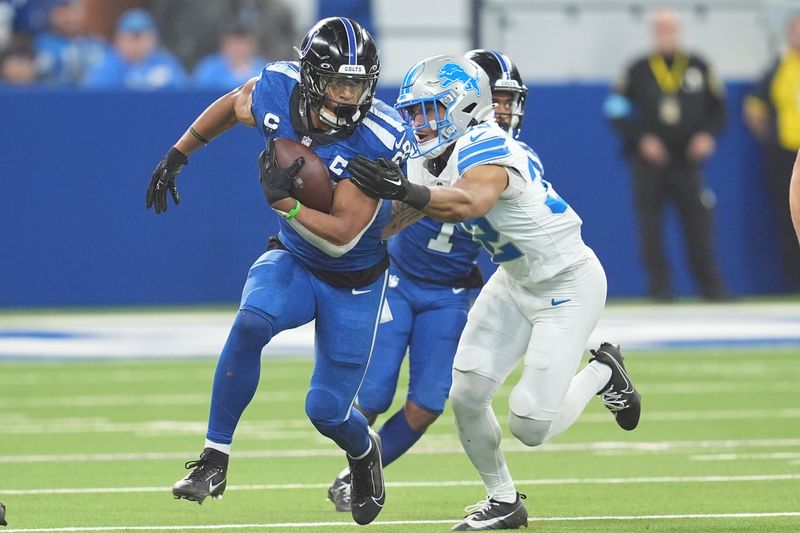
point(339, 70)
point(503, 76)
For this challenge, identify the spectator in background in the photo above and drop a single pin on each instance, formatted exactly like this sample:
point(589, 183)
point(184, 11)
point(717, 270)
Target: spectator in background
point(360, 10)
point(102, 15)
point(137, 62)
point(29, 16)
point(64, 53)
point(192, 29)
point(18, 66)
point(772, 112)
point(668, 108)
point(233, 65)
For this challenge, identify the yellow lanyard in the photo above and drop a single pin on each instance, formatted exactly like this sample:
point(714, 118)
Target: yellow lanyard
point(669, 80)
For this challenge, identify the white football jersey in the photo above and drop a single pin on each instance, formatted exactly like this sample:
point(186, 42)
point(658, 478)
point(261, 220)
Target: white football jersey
point(531, 232)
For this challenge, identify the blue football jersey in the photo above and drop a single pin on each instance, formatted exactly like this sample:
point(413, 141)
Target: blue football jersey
point(380, 134)
point(435, 251)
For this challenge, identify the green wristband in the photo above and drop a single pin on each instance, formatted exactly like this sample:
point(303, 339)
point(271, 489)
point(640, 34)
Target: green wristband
point(293, 212)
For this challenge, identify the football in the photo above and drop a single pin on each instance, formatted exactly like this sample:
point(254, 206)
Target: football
point(312, 186)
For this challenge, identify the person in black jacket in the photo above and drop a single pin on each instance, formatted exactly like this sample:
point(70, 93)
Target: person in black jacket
point(668, 109)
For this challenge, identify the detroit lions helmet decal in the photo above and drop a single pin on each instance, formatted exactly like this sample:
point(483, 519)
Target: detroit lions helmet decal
point(452, 73)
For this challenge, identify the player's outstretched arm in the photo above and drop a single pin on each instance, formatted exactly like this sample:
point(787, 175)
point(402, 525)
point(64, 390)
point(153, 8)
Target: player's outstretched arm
point(223, 114)
point(794, 196)
point(472, 196)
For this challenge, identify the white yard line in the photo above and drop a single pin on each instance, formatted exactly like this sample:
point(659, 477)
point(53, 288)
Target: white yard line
point(404, 522)
point(427, 484)
point(510, 446)
point(745, 456)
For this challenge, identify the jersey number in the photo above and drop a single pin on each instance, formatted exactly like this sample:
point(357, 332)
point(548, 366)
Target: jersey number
point(402, 155)
point(553, 201)
point(442, 241)
point(483, 232)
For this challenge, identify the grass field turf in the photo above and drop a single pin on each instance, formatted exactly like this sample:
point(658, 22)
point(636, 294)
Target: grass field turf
point(720, 435)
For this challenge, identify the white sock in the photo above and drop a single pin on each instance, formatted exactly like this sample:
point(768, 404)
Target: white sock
point(224, 448)
point(479, 432)
point(586, 384)
point(603, 373)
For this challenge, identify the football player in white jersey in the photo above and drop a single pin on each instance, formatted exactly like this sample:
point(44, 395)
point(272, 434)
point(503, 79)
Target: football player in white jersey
point(541, 304)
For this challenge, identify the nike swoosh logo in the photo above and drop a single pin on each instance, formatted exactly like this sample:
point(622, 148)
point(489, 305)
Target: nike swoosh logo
point(484, 524)
point(356, 292)
point(474, 138)
point(397, 182)
point(458, 291)
point(628, 384)
point(555, 302)
point(212, 487)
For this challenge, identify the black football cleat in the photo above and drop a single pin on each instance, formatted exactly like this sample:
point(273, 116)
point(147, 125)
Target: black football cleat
point(619, 396)
point(3, 515)
point(207, 477)
point(489, 514)
point(339, 492)
point(367, 493)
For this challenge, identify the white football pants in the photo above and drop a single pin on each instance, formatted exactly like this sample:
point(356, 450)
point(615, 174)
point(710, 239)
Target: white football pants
point(546, 325)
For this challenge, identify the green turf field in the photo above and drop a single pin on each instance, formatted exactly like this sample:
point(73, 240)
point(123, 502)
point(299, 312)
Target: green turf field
point(95, 446)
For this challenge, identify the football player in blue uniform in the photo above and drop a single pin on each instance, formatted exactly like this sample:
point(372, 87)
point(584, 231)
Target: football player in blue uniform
point(328, 267)
point(540, 305)
point(433, 280)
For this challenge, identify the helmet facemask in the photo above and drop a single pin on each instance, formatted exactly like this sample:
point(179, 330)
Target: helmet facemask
point(433, 113)
point(340, 100)
point(509, 119)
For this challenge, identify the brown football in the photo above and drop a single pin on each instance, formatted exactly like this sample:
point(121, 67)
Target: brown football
point(312, 186)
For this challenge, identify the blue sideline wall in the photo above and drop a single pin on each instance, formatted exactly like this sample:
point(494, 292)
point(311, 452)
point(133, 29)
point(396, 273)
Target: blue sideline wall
point(74, 229)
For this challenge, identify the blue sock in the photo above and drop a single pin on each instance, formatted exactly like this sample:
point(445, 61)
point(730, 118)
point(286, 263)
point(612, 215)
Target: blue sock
point(238, 370)
point(351, 435)
point(397, 437)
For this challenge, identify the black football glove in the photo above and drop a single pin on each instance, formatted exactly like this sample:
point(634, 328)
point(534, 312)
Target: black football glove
point(384, 179)
point(163, 180)
point(276, 182)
